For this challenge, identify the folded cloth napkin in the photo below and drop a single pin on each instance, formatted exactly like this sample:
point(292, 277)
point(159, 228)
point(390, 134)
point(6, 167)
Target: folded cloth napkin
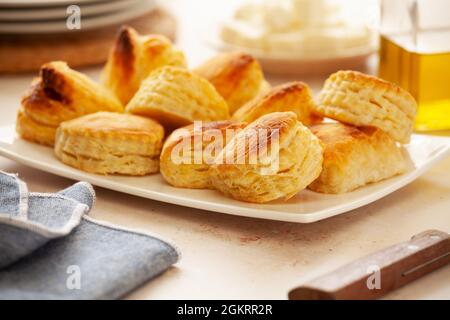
point(51, 249)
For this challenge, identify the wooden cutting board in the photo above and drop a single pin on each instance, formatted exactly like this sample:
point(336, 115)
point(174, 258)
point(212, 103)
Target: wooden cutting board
point(22, 53)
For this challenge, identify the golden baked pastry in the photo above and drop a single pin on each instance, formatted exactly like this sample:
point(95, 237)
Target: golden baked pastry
point(57, 95)
point(294, 96)
point(35, 131)
point(237, 76)
point(189, 151)
point(362, 100)
point(273, 157)
point(133, 57)
point(110, 143)
point(354, 157)
point(176, 97)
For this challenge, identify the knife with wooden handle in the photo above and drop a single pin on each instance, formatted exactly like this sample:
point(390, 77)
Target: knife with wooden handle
point(381, 272)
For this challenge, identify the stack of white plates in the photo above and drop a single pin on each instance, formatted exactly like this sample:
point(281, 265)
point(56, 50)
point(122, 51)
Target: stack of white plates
point(49, 16)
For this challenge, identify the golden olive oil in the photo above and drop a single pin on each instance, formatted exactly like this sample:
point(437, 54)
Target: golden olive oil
point(423, 71)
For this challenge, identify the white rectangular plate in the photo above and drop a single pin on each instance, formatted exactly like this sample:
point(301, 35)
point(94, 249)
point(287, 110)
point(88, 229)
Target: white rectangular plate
point(305, 207)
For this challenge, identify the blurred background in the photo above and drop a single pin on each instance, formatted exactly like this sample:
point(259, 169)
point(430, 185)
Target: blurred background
point(404, 41)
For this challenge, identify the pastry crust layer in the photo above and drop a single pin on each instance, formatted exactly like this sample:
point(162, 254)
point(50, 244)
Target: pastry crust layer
point(293, 96)
point(133, 57)
point(34, 131)
point(288, 158)
point(110, 143)
point(362, 100)
point(60, 94)
point(237, 76)
point(176, 97)
point(354, 157)
point(189, 151)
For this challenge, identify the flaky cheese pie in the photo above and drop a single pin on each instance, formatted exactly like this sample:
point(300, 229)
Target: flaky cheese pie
point(237, 76)
point(272, 158)
point(110, 143)
point(57, 95)
point(176, 97)
point(362, 100)
point(354, 157)
point(293, 96)
point(189, 151)
point(133, 57)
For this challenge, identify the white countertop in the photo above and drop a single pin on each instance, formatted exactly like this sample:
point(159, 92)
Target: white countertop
point(227, 257)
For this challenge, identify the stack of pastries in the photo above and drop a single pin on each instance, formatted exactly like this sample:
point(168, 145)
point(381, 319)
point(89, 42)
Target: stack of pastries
point(220, 125)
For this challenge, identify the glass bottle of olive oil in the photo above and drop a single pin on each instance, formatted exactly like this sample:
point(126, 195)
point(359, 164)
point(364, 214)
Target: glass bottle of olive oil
point(415, 53)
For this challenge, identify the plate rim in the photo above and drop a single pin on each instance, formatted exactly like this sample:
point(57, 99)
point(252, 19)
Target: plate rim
point(263, 213)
